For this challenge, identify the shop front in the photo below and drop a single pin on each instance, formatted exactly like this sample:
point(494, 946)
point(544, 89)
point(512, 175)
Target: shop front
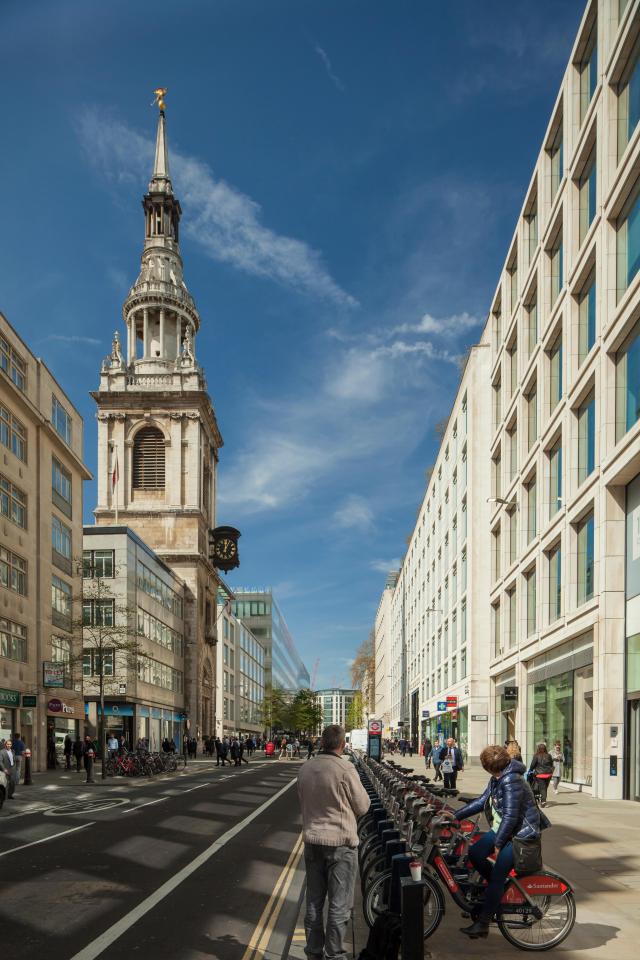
point(506, 707)
point(453, 722)
point(560, 706)
point(118, 721)
point(156, 724)
point(632, 620)
point(9, 703)
point(63, 718)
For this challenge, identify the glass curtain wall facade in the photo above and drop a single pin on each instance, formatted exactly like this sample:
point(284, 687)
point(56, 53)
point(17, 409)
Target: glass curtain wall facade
point(283, 665)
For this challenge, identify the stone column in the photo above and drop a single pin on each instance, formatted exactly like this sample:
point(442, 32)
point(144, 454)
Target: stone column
point(145, 320)
point(178, 334)
point(162, 314)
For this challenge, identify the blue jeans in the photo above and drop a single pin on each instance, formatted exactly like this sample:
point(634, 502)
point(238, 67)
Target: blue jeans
point(331, 874)
point(496, 874)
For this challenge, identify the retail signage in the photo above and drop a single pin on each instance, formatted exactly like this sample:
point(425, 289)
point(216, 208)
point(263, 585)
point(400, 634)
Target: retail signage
point(9, 698)
point(510, 693)
point(425, 714)
point(479, 716)
point(122, 689)
point(452, 701)
point(442, 705)
point(28, 700)
point(58, 706)
point(375, 726)
point(454, 714)
point(53, 674)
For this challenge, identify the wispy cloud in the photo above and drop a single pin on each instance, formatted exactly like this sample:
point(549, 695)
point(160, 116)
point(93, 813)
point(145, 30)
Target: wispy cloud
point(354, 514)
point(385, 566)
point(225, 222)
point(451, 326)
point(337, 82)
point(61, 338)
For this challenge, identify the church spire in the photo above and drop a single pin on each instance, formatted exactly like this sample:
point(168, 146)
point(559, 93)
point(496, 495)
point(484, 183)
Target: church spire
point(161, 178)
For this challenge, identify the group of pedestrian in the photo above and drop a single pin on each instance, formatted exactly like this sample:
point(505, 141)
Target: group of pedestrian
point(447, 760)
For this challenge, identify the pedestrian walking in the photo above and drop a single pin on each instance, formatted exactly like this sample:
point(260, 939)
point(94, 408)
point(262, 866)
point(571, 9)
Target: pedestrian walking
point(77, 753)
point(435, 760)
point(67, 750)
point(9, 767)
point(558, 760)
point(331, 798)
point(19, 747)
point(235, 752)
point(283, 748)
point(52, 759)
point(541, 769)
point(113, 745)
point(88, 757)
point(428, 747)
point(242, 746)
point(403, 747)
point(452, 763)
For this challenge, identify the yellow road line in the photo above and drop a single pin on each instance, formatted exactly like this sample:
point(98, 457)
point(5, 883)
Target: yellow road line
point(273, 919)
point(262, 926)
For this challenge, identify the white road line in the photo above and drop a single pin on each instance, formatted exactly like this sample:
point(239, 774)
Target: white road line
point(34, 843)
point(197, 787)
point(99, 945)
point(147, 804)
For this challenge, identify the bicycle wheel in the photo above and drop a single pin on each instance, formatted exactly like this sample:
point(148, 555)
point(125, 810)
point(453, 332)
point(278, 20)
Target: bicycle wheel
point(375, 902)
point(559, 916)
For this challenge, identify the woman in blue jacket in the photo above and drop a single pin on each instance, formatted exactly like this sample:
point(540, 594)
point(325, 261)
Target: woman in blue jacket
point(512, 812)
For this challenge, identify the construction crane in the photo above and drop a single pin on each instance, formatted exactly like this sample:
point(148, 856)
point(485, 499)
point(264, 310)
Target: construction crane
point(314, 673)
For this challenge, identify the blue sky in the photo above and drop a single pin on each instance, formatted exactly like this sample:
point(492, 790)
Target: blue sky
point(350, 173)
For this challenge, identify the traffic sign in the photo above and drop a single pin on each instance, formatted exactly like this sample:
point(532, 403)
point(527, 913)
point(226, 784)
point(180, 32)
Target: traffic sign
point(375, 726)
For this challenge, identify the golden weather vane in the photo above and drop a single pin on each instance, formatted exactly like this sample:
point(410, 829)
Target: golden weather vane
point(159, 95)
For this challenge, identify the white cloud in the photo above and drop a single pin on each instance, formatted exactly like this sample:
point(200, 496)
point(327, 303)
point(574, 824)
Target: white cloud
point(452, 326)
point(61, 338)
point(385, 566)
point(327, 65)
point(223, 221)
point(354, 514)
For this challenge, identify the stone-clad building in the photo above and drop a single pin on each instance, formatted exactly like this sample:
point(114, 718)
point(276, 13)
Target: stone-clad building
point(158, 439)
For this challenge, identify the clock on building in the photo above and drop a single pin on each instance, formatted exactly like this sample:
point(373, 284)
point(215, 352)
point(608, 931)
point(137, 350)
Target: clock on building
point(223, 548)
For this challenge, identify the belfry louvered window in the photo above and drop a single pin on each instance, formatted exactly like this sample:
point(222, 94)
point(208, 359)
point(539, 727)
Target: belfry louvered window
point(148, 459)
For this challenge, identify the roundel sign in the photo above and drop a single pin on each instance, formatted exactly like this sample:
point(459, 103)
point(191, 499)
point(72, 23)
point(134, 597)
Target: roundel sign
point(375, 726)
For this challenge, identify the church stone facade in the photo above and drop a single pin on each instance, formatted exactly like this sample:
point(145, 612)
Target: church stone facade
point(158, 439)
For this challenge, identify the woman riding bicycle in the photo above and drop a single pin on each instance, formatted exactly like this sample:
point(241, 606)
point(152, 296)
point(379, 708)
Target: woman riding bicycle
point(511, 810)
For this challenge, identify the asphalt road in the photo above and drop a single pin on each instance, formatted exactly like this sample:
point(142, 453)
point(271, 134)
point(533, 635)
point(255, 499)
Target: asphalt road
point(201, 867)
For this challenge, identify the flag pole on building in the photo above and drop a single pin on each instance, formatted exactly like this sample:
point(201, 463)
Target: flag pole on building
point(115, 476)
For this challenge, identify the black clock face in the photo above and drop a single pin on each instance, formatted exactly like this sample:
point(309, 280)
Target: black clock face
point(226, 549)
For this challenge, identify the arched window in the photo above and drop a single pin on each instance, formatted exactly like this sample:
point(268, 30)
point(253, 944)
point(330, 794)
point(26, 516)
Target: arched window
point(148, 459)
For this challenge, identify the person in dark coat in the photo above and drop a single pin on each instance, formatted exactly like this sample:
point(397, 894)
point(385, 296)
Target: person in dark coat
point(426, 749)
point(77, 752)
point(235, 752)
point(452, 763)
point(541, 770)
point(508, 803)
point(68, 749)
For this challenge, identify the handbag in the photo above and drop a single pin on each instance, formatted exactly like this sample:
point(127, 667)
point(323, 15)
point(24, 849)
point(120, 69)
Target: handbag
point(527, 855)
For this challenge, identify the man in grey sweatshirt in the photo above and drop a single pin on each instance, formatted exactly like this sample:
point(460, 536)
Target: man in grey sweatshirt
point(332, 798)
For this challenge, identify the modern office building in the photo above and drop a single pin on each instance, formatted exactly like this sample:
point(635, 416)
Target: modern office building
point(133, 614)
point(438, 612)
point(283, 666)
point(158, 438)
point(241, 676)
point(335, 705)
point(41, 474)
point(382, 656)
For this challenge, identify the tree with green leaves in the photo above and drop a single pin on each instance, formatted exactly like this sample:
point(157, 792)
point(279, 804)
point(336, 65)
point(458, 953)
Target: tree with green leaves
point(364, 661)
point(306, 712)
point(354, 719)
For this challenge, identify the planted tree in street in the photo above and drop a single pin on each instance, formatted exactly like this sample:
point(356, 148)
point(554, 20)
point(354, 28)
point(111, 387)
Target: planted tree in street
point(306, 712)
point(354, 719)
point(364, 661)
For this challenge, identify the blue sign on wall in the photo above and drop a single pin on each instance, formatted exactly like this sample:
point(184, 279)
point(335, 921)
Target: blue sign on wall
point(442, 704)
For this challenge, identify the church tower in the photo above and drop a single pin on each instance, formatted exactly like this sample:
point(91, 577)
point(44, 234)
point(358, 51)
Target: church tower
point(158, 439)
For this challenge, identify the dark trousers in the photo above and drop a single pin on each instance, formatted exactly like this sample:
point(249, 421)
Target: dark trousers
point(496, 874)
point(78, 763)
point(450, 779)
point(436, 767)
point(541, 787)
point(67, 758)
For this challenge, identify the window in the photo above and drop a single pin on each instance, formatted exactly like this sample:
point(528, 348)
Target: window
point(61, 486)
point(13, 640)
point(587, 196)
point(513, 366)
point(512, 434)
point(454, 670)
point(587, 319)
point(148, 459)
point(60, 538)
point(585, 559)
point(513, 535)
point(628, 241)
point(463, 572)
point(532, 416)
point(13, 503)
point(497, 474)
point(556, 265)
point(531, 229)
point(497, 639)
point(530, 582)
point(152, 585)
point(513, 283)
point(60, 603)
point(98, 613)
point(93, 662)
point(555, 373)
point(13, 572)
point(586, 438)
point(532, 508)
point(160, 633)
point(61, 653)
point(463, 664)
point(513, 616)
point(557, 162)
point(497, 327)
point(555, 478)
point(497, 558)
point(12, 434)
point(497, 402)
point(627, 384)
point(463, 623)
point(531, 321)
point(13, 364)
point(97, 563)
point(588, 69)
point(555, 583)
point(60, 419)
point(629, 101)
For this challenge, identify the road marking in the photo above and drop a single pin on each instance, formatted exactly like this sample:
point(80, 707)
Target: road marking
point(34, 843)
point(197, 787)
point(147, 804)
point(74, 807)
point(262, 934)
point(100, 944)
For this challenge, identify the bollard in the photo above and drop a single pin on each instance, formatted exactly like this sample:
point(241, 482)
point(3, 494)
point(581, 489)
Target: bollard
point(399, 869)
point(27, 768)
point(412, 911)
point(90, 754)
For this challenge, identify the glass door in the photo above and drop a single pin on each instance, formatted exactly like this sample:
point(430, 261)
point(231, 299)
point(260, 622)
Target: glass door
point(633, 753)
